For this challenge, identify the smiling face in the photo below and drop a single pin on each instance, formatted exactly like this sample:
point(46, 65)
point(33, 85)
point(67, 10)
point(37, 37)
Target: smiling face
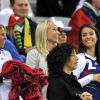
point(2, 36)
point(89, 38)
point(96, 4)
point(20, 8)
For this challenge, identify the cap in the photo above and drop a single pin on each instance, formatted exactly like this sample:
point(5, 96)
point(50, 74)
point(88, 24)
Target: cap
point(61, 27)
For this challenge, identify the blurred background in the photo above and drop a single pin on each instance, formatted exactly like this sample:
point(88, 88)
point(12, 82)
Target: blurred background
point(41, 9)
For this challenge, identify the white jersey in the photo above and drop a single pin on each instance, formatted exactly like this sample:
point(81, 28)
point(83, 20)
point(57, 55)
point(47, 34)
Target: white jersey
point(80, 67)
point(6, 85)
point(87, 66)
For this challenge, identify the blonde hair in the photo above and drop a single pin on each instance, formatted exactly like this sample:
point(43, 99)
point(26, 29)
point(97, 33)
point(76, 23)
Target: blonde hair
point(2, 29)
point(41, 36)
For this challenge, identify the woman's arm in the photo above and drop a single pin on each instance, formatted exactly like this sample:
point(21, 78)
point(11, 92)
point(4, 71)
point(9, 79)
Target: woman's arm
point(32, 59)
point(80, 67)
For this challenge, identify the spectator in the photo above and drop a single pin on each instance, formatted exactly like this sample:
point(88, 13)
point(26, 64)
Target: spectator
point(61, 61)
point(5, 84)
point(9, 20)
point(46, 39)
point(25, 30)
point(88, 67)
point(89, 13)
point(63, 31)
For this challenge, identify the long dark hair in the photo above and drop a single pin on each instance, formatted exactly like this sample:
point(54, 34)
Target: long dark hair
point(82, 47)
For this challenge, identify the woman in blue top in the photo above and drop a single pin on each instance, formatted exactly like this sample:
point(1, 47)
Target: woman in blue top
point(88, 68)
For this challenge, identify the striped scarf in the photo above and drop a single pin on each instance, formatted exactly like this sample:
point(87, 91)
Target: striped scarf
point(27, 36)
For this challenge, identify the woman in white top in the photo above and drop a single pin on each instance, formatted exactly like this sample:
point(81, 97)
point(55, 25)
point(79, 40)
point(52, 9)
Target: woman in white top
point(88, 69)
point(5, 84)
point(47, 37)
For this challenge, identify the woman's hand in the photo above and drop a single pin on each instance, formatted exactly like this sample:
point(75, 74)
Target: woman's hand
point(86, 96)
point(96, 77)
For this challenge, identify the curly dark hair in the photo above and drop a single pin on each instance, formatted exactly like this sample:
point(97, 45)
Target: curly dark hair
point(82, 47)
point(57, 57)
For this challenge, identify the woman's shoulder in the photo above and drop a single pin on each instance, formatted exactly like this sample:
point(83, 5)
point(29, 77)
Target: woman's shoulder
point(81, 56)
point(33, 51)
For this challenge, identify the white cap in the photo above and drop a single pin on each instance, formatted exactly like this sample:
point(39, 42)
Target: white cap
point(5, 15)
point(61, 26)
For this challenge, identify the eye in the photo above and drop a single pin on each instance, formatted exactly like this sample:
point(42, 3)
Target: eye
point(83, 34)
point(26, 5)
point(91, 33)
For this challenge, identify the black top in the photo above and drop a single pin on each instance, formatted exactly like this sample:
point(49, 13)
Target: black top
point(61, 8)
point(63, 87)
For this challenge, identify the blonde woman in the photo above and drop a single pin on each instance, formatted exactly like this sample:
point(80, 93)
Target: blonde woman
point(5, 84)
point(47, 37)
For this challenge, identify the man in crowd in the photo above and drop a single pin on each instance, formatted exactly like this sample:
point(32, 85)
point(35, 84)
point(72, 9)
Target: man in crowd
point(25, 29)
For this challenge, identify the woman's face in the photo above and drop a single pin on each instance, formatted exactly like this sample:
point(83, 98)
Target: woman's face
point(62, 38)
point(89, 37)
point(96, 4)
point(53, 33)
point(71, 64)
point(2, 37)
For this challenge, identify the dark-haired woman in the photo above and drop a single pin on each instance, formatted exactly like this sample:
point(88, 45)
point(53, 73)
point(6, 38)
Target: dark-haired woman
point(63, 85)
point(88, 67)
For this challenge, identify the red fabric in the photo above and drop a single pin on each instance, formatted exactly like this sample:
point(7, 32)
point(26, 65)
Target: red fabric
point(77, 20)
point(20, 19)
point(25, 81)
point(12, 20)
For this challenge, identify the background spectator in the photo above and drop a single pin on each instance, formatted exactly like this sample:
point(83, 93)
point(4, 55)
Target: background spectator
point(89, 13)
point(25, 30)
point(5, 84)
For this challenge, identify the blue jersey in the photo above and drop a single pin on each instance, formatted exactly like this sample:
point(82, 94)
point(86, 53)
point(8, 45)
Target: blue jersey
point(91, 67)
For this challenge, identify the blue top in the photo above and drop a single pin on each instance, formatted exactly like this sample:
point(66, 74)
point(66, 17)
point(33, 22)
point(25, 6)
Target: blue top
point(93, 87)
point(9, 46)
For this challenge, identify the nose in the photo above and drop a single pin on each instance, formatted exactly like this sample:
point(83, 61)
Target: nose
point(87, 36)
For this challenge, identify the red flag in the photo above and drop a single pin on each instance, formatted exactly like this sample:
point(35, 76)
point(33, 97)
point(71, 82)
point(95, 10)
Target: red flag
point(77, 20)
